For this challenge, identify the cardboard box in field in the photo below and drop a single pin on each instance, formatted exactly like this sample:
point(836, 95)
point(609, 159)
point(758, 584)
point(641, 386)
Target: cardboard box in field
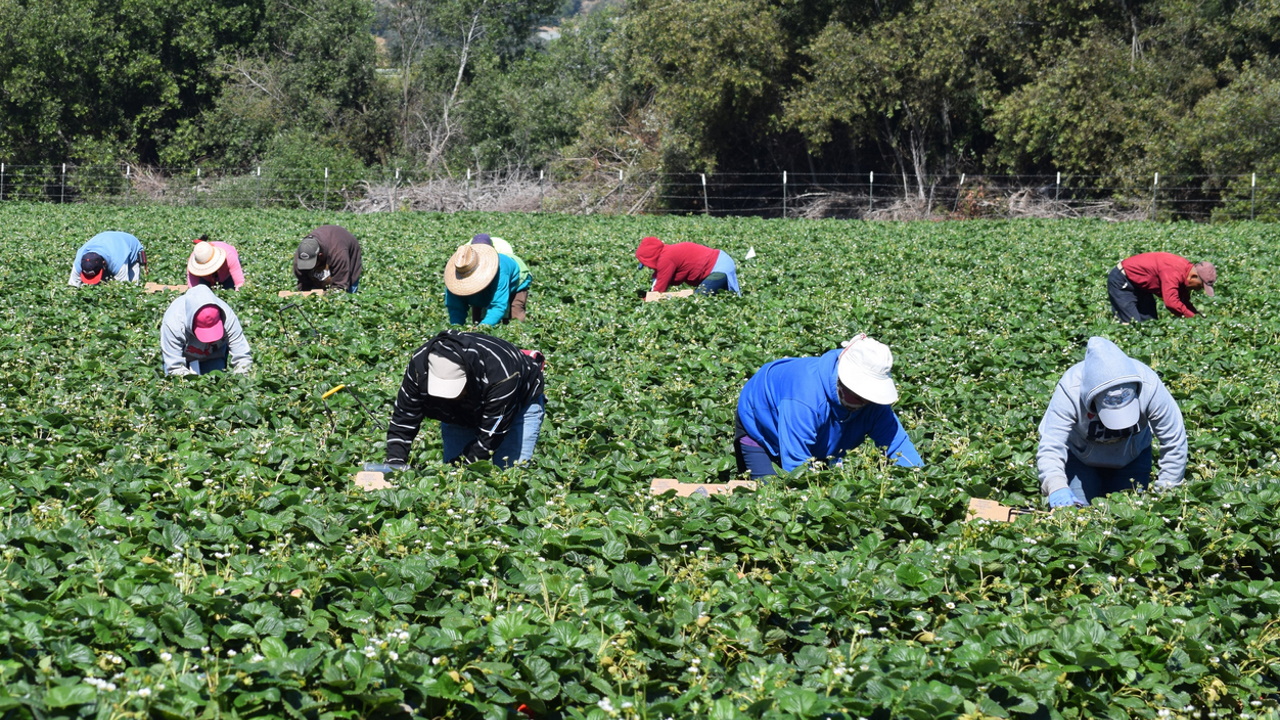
point(157, 287)
point(291, 293)
point(651, 296)
point(368, 480)
point(992, 510)
point(661, 485)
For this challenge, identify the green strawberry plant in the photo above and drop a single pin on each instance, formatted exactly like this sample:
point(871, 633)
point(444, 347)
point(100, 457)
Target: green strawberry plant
point(193, 547)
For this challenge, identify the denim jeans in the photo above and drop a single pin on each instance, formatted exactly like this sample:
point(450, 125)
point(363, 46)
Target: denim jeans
point(724, 276)
point(1088, 482)
point(353, 286)
point(517, 446)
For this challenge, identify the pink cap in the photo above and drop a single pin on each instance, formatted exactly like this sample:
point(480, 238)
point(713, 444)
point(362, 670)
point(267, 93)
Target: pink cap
point(208, 324)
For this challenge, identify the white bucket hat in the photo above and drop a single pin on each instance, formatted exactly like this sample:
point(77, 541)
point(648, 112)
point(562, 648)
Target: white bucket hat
point(864, 368)
point(205, 259)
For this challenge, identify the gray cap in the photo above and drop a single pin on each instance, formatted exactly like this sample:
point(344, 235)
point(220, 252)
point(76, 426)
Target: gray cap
point(308, 253)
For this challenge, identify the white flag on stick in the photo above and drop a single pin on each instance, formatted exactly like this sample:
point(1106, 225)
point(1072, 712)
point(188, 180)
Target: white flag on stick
point(751, 253)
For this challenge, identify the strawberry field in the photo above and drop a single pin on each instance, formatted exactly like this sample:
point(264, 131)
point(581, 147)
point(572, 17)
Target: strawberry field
point(193, 547)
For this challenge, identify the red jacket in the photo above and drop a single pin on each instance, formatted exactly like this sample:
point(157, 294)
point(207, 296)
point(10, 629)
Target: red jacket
point(1163, 274)
point(682, 263)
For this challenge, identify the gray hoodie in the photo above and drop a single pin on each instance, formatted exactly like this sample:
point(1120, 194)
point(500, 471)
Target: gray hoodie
point(1071, 423)
point(179, 346)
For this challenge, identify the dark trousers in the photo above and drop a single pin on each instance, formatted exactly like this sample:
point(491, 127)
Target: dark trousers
point(714, 283)
point(516, 310)
point(1129, 302)
point(751, 458)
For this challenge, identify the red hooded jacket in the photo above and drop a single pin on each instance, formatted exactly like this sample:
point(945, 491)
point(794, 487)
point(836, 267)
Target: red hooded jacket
point(682, 263)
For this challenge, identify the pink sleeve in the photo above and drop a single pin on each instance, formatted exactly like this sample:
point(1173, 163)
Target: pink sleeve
point(233, 266)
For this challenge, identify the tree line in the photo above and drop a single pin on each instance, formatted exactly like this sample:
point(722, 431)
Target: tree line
point(1099, 89)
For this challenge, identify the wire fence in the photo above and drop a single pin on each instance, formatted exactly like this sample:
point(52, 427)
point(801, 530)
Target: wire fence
point(867, 195)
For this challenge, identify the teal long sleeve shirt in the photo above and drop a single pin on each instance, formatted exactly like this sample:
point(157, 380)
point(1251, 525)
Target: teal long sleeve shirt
point(495, 299)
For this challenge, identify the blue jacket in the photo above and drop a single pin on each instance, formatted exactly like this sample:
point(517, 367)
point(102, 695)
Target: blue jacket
point(792, 408)
point(496, 298)
point(1071, 423)
point(119, 249)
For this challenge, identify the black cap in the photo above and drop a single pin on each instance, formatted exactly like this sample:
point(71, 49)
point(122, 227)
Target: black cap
point(91, 266)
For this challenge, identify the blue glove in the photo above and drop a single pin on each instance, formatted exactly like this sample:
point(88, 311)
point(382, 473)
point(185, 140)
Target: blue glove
point(1063, 498)
point(385, 467)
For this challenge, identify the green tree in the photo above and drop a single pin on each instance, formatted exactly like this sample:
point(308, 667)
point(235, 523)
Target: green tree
point(916, 83)
point(439, 48)
point(87, 81)
point(309, 69)
point(524, 116)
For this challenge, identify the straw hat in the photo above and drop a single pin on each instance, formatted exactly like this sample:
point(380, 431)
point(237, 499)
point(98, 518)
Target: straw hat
point(471, 269)
point(205, 259)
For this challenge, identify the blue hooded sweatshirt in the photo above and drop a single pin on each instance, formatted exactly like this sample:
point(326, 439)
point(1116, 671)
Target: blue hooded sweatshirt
point(1071, 423)
point(495, 299)
point(792, 408)
point(119, 249)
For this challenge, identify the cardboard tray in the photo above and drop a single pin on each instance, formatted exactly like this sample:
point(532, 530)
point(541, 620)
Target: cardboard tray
point(661, 485)
point(152, 287)
point(651, 296)
point(991, 510)
point(368, 480)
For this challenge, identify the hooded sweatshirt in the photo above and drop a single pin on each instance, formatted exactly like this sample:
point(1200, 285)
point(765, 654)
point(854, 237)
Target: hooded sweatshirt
point(179, 346)
point(792, 408)
point(683, 263)
point(120, 250)
point(1071, 423)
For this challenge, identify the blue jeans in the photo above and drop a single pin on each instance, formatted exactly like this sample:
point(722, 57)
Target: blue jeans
point(353, 286)
point(724, 276)
point(1088, 482)
point(517, 446)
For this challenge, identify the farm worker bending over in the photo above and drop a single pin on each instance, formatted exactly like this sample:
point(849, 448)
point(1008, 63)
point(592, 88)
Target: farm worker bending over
point(1095, 437)
point(214, 263)
point(520, 298)
point(1134, 283)
point(486, 393)
point(795, 410)
point(108, 255)
point(687, 263)
point(328, 258)
point(478, 277)
point(199, 332)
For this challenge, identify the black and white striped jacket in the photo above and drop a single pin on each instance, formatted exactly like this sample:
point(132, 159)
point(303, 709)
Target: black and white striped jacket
point(501, 382)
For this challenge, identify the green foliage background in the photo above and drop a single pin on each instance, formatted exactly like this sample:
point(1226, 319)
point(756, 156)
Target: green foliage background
point(1106, 93)
point(194, 547)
